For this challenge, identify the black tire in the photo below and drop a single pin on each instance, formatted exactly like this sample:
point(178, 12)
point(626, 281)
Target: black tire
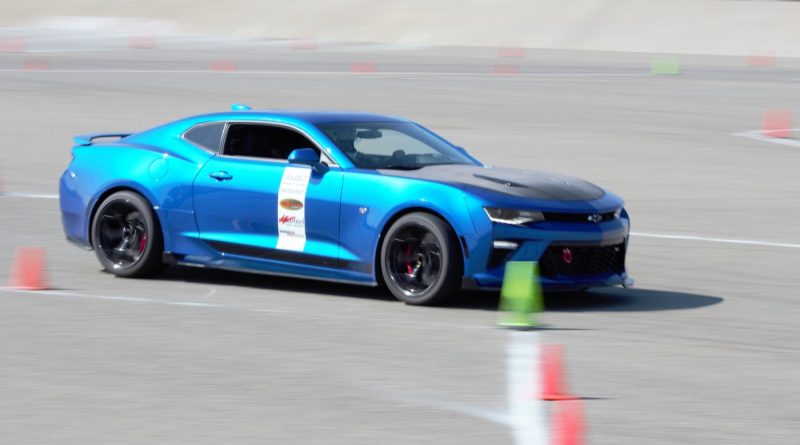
point(126, 236)
point(421, 260)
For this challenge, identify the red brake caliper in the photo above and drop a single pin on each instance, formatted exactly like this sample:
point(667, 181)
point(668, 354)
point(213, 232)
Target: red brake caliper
point(409, 269)
point(143, 242)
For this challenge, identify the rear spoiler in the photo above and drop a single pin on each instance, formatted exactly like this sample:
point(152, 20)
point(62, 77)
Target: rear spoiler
point(86, 139)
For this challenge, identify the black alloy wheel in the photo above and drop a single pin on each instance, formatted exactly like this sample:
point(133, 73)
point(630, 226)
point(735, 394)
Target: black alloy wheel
point(126, 236)
point(421, 260)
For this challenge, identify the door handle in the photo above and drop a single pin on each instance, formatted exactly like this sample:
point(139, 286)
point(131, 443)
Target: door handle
point(221, 176)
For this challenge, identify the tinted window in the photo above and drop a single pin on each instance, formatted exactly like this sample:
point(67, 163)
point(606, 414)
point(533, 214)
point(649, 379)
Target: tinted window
point(206, 135)
point(263, 141)
point(392, 145)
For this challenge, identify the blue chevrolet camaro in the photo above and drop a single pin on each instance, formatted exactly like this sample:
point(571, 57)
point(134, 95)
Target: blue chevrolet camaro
point(351, 197)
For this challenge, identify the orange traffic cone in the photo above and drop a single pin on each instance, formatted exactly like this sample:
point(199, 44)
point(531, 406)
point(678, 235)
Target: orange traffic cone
point(567, 425)
point(143, 42)
point(363, 67)
point(777, 124)
point(36, 64)
point(306, 43)
point(505, 70)
point(27, 272)
point(510, 51)
point(761, 60)
point(223, 65)
point(12, 46)
point(553, 382)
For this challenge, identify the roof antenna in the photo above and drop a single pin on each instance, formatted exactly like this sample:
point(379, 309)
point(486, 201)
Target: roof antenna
point(240, 107)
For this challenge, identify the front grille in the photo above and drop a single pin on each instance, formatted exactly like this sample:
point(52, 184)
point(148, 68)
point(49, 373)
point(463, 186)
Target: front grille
point(578, 217)
point(582, 261)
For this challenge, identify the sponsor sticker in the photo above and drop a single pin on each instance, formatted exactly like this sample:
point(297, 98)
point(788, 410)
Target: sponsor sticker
point(291, 208)
point(286, 219)
point(291, 204)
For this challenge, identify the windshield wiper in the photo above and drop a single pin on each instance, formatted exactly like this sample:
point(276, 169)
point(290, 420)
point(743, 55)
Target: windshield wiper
point(401, 167)
point(418, 166)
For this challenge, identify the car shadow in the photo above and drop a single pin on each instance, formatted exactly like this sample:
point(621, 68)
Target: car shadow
point(271, 282)
point(595, 300)
point(628, 300)
point(613, 299)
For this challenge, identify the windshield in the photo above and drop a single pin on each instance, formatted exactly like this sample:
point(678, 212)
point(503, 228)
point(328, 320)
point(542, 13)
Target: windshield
point(391, 145)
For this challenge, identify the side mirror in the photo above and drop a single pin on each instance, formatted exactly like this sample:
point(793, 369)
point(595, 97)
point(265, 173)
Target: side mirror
point(306, 156)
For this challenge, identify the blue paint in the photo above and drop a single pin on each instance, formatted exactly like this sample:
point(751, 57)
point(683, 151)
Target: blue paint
point(347, 208)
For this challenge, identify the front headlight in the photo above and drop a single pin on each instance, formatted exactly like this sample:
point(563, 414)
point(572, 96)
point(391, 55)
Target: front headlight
point(513, 216)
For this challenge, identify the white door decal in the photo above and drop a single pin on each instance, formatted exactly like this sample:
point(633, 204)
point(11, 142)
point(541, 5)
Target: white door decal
point(292, 208)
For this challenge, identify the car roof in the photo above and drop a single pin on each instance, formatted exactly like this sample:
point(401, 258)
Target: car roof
point(312, 117)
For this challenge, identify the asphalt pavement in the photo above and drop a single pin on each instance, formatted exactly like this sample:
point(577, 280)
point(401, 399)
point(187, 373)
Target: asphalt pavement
point(704, 349)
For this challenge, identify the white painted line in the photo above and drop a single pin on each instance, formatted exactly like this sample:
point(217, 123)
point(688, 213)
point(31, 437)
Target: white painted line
point(717, 240)
point(321, 73)
point(371, 47)
point(758, 135)
point(174, 46)
point(72, 50)
point(117, 298)
point(79, 295)
point(30, 195)
point(272, 311)
point(494, 416)
point(198, 304)
point(525, 411)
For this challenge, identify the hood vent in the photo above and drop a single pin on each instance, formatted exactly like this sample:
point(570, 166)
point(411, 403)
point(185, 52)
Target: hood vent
point(504, 182)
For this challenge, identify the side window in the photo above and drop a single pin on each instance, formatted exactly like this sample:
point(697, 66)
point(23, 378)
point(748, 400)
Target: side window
point(206, 135)
point(263, 141)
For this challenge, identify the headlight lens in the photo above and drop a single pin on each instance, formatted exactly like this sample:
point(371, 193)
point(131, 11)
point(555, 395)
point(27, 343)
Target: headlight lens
point(513, 216)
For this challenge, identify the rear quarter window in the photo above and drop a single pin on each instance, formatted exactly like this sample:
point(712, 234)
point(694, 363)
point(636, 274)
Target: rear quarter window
point(207, 136)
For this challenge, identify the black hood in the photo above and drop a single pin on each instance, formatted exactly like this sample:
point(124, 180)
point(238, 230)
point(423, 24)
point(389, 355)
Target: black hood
point(522, 183)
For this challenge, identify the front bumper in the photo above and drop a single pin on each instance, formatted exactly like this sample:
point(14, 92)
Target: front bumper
point(571, 256)
point(493, 283)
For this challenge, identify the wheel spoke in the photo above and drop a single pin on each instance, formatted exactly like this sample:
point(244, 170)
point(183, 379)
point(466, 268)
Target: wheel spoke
point(122, 234)
point(131, 254)
point(134, 217)
point(122, 247)
point(113, 217)
point(415, 259)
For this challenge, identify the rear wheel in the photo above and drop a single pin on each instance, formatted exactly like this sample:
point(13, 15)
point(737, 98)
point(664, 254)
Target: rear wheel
point(126, 236)
point(420, 260)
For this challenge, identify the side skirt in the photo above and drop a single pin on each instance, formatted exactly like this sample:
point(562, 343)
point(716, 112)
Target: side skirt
point(289, 256)
point(278, 274)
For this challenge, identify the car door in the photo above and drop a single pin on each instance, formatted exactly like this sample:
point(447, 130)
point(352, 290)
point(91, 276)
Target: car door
point(252, 206)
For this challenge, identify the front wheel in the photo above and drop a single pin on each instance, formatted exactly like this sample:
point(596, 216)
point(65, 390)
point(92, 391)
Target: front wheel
point(126, 236)
point(421, 260)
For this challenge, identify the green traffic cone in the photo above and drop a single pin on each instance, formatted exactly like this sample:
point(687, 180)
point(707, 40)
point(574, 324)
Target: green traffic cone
point(665, 66)
point(521, 295)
